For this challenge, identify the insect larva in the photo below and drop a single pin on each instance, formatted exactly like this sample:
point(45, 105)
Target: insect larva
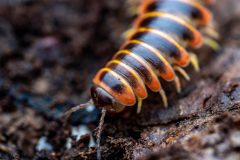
point(156, 49)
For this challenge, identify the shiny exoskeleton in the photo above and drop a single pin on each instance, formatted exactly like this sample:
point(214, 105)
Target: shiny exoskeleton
point(156, 49)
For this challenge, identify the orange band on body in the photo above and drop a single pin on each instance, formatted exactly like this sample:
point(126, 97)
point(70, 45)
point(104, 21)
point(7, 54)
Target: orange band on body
point(154, 85)
point(209, 1)
point(184, 59)
point(207, 16)
point(197, 36)
point(127, 98)
point(140, 89)
point(144, 5)
point(169, 74)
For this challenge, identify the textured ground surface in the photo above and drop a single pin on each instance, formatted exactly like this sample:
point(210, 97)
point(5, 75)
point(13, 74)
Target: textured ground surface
point(49, 51)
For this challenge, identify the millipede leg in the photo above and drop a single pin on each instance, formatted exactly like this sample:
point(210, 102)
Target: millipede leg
point(128, 33)
point(164, 97)
point(139, 105)
point(182, 72)
point(194, 61)
point(177, 84)
point(211, 43)
point(211, 36)
point(133, 9)
point(210, 31)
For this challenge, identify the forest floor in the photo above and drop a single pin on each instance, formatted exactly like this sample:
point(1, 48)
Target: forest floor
point(49, 52)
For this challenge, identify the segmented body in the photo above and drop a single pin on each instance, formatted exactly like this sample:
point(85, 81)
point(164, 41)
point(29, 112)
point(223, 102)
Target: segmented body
point(162, 32)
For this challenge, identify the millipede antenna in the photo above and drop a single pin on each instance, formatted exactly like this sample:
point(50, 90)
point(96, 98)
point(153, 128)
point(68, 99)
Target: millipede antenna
point(99, 131)
point(76, 108)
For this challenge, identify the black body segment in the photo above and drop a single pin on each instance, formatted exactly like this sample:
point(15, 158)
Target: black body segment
point(175, 7)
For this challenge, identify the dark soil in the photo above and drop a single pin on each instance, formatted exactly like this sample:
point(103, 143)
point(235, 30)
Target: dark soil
point(49, 52)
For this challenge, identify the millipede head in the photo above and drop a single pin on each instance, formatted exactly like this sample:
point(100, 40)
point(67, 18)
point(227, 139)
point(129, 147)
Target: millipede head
point(102, 99)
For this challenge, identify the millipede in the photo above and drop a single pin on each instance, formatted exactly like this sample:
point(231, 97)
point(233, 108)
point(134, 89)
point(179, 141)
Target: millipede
point(159, 46)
